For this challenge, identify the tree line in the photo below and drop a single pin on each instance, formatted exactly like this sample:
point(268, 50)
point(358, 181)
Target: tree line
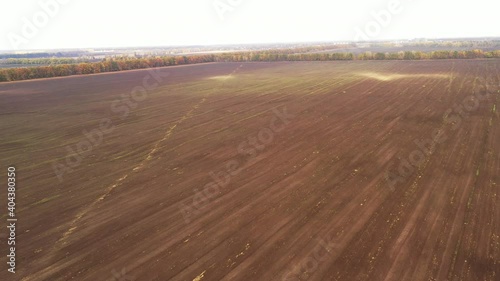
point(107, 65)
point(129, 63)
point(42, 55)
point(435, 55)
point(48, 61)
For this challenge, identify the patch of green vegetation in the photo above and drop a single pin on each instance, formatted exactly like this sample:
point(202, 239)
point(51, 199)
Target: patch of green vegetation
point(45, 200)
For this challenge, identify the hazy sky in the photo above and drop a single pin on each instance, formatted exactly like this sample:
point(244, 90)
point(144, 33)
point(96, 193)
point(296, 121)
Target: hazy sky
point(112, 23)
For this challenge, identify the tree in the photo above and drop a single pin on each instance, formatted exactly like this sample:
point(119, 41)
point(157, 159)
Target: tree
point(4, 76)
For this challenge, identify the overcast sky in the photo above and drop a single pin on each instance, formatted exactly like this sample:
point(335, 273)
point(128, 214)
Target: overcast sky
point(114, 23)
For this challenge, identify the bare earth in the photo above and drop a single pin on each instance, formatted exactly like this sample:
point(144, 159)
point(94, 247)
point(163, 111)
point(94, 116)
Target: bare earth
point(258, 171)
